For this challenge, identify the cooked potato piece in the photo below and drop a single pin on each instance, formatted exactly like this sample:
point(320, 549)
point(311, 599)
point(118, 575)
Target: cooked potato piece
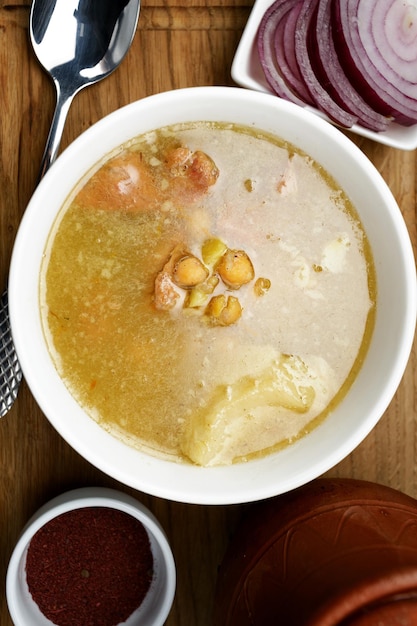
point(235, 268)
point(212, 250)
point(198, 295)
point(237, 411)
point(195, 298)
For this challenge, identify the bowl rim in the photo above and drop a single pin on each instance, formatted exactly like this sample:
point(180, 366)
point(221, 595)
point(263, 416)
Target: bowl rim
point(189, 479)
point(105, 497)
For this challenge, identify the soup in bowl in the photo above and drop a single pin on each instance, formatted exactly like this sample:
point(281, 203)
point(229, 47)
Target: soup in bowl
point(201, 296)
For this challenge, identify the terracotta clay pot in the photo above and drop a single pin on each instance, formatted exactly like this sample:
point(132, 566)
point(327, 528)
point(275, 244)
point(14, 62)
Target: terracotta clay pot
point(333, 553)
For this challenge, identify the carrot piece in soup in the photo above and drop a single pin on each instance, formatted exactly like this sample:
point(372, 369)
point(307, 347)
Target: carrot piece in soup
point(123, 183)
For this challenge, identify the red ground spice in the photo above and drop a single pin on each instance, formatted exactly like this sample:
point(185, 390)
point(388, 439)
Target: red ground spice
point(91, 566)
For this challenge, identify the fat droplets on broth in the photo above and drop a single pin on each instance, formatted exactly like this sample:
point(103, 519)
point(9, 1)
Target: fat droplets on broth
point(310, 252)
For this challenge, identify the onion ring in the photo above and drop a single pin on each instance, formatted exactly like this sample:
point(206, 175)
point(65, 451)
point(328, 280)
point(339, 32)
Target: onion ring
point(377, 45)
point(331, 74)
point(323, 99)
point(267, 52)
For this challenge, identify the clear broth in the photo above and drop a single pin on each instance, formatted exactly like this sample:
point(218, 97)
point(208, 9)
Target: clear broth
point(172, 382)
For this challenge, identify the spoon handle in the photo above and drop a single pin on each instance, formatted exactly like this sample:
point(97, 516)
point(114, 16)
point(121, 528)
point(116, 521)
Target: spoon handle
point(63, 103)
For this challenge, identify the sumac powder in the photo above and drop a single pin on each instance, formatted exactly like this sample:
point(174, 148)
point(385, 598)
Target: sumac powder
point(91, 566)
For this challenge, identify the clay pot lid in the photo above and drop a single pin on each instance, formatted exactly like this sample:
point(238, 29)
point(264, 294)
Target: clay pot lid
point(336, 549)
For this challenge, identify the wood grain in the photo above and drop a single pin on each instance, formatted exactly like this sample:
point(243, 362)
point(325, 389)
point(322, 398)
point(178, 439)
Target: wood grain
point(177, 44)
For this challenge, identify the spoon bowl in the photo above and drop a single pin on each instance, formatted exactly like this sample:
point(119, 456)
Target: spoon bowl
point(79, 42)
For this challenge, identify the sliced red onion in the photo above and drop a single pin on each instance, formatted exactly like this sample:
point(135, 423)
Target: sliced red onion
point(267, 53)
point(377, 46)
point(330, 72)
point(322, 98)
point(355, 60)
point(284, 42)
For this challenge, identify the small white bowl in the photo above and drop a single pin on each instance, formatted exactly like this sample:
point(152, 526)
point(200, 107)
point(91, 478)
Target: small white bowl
point(353, 418)
point(158, 602)
point(247, 71)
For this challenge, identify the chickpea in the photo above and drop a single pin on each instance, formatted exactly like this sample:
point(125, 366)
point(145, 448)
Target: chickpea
point(216, 305)
point(189, 272)
point(231, 312)
point(222, 311)
point(235, 269)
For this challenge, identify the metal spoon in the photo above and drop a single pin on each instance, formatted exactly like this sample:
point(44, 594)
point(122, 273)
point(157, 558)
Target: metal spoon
point(78, 42)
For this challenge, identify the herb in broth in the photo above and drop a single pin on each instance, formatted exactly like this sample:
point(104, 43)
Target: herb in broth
point(198, 293)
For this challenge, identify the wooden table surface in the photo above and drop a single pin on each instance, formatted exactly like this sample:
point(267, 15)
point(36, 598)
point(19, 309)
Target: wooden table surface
point(179, 43)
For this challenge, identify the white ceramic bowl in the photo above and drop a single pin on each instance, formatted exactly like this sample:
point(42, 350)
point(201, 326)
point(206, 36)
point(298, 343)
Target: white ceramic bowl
point(247, 71)
point(158, 602)
point(387, 357)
